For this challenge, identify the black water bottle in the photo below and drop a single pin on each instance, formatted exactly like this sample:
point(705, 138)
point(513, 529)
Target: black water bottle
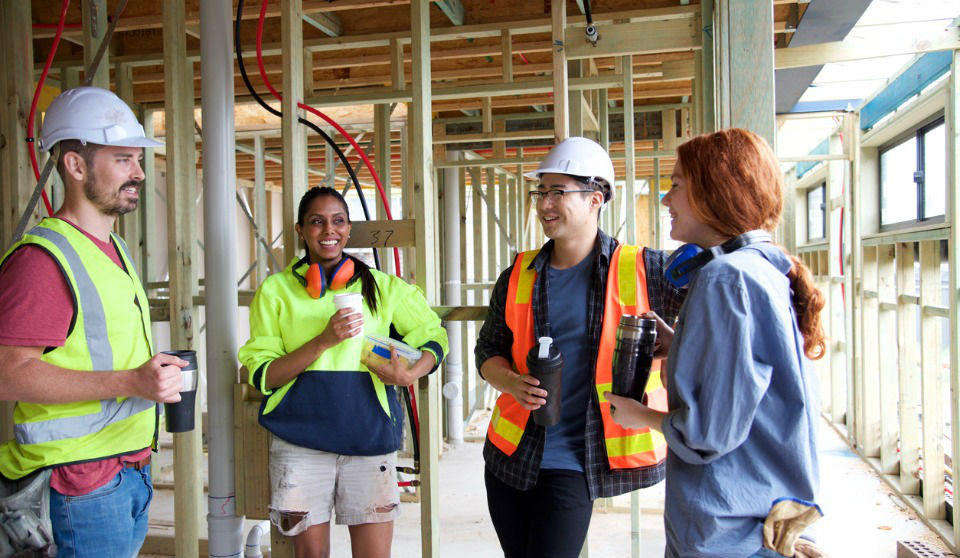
point(633, 355)
point(545, 363)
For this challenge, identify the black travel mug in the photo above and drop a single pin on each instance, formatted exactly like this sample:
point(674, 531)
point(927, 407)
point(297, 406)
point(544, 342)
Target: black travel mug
point(545, 363)
point(633, 355)
point(180, 415)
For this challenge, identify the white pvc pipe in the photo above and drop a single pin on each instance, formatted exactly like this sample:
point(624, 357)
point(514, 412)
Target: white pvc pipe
point(252, 549)
point(225, 528)
point(452, 366)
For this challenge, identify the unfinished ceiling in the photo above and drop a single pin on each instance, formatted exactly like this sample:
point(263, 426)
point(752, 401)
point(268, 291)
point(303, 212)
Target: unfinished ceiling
point(490, 58)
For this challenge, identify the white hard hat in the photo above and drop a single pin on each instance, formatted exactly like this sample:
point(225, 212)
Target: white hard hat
point(92, 115)
point(578, 156)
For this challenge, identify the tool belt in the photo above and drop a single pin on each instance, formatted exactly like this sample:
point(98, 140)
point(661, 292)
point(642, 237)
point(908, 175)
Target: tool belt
point(25, 528)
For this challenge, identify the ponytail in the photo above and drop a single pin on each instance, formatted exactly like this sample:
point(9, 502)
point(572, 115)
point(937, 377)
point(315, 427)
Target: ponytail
point(368, 284)
point(808, 301)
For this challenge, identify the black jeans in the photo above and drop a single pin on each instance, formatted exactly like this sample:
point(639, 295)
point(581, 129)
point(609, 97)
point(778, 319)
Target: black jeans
point(548, 521)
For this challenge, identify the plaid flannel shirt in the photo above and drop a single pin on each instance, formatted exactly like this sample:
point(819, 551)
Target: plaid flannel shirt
point(495, 339)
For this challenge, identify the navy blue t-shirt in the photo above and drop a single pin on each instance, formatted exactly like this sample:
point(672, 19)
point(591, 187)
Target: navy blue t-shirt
point(567, 293)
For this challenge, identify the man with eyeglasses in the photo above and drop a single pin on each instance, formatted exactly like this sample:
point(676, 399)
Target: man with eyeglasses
point(541, 482)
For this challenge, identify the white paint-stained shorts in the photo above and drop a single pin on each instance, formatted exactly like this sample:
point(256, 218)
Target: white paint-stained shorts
point(363, 489)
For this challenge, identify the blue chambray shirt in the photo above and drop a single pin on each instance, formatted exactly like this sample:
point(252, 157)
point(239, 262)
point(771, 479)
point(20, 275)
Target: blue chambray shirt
point(744, 406)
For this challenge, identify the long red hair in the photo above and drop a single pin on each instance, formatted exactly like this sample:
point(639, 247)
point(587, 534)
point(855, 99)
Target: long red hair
point(734, 186)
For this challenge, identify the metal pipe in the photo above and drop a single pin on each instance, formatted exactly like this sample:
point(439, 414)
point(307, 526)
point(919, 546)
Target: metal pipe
point(453, 365)
point(225, 528)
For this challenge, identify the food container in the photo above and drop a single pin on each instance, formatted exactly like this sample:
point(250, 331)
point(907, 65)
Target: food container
point(376, 351)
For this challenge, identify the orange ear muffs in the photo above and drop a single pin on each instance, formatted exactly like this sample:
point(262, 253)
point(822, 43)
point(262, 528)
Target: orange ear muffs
point(342, 274)
point(314, 281)
point(317, 283)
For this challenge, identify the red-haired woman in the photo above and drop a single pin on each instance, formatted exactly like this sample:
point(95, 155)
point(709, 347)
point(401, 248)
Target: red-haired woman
point(743, 397)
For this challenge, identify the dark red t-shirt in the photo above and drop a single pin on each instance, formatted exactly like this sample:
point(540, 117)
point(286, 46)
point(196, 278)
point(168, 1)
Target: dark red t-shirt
point(36, 308)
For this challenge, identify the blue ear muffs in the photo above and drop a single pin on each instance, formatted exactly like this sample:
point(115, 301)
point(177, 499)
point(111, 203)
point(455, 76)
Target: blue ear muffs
point(315, 280)
point(691, 257)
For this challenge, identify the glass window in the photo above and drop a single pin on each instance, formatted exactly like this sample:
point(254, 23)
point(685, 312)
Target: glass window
point(816, 210)
point(898, 191)
point(934, 172)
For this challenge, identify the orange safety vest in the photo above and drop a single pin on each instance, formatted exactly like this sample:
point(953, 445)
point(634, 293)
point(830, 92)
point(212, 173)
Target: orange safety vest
point(626, 293)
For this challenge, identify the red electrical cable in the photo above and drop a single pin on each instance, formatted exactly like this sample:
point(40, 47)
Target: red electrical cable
point(55, 25)
point(36, 98)
point(328, 120)
point(360, 152)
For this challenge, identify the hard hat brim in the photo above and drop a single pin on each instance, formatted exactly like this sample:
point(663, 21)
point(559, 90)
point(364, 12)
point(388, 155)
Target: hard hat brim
point(126, 142)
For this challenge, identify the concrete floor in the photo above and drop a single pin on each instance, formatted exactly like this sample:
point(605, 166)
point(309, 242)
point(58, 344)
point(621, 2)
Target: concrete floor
point(862, 516)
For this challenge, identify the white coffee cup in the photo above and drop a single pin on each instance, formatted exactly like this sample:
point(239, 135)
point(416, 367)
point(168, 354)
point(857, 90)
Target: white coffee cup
point(353, 301)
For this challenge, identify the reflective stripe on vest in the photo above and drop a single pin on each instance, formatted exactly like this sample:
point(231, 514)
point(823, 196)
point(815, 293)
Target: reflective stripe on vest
point(94, 320)
point(626, 293)
point(101, 356)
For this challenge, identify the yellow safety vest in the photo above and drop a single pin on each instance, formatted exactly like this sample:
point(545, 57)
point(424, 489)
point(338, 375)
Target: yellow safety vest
point(110, 331)
point(626, 293)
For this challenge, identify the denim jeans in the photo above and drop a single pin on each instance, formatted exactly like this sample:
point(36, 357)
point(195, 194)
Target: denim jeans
point(111, 521)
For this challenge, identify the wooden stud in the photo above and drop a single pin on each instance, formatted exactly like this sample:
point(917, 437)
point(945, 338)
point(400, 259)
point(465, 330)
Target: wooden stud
point(512, 212)
point(396, 65)
point(181, 234)
point(94, 18)
point(382, 151)
point(886, 342)
point(854, 275)
point(603, 117)
point(575, 99)
point(294, 140)
point(148, 205)
point(16, 177)
point(644, 37)
point(952, 120)
point(407, 195)
point(260, 215)
point(629, 144)
point(845, 51)
point(561, 124)
point(869, 410)
point(500, 146)
point(931, 390)
point(129, 224)
point(835, 296)
point(383, 234)
point(909, 381)
point(308, 81)
point(426, 210)
point(668, 127)
point(654, 209)
point(493, 246)
point(506, 55)
point(504, 221)
point(745, 62)
point(487, 115)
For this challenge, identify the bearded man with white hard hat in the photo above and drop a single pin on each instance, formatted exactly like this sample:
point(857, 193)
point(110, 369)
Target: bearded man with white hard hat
point(541, 481)
point(75, 345)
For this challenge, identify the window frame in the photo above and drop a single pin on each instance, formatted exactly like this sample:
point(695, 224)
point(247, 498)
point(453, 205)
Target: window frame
point(822, 186)
point(917, 133)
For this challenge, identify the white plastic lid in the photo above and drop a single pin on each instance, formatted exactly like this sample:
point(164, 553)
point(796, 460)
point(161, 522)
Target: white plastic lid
point(544, 352)
point(403, 349)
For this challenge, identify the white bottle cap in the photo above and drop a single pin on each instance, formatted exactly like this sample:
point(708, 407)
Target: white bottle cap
point(544, 352)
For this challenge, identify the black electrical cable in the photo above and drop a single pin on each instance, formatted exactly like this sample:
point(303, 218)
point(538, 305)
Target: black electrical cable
point(353, 176)
point(415, 437)
point(591, 30)
point(304, 121)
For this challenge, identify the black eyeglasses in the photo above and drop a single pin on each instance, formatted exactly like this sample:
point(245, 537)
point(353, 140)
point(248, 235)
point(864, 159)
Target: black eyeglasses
point(554, 195)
